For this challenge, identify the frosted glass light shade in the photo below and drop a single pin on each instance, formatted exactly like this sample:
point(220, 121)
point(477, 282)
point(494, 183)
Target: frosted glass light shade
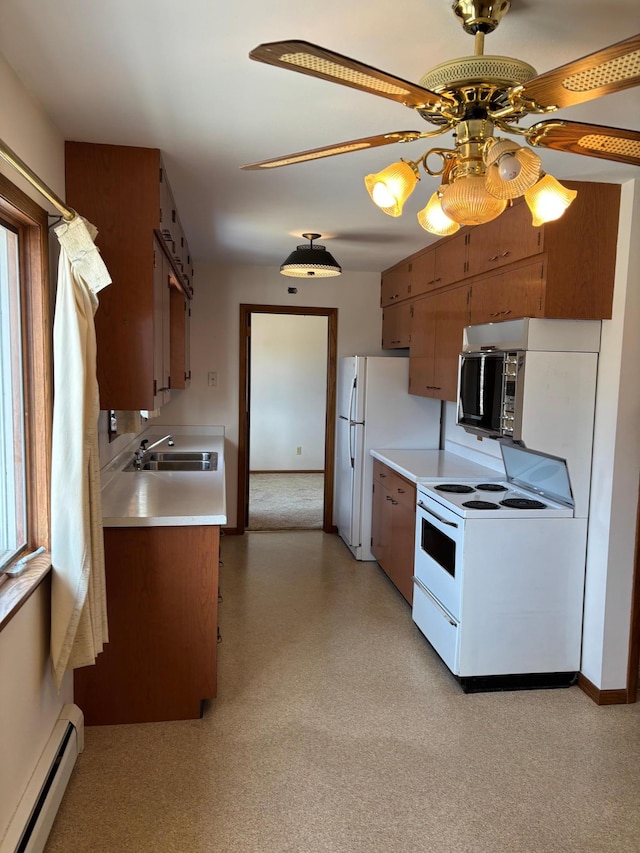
point(391, 187)
point(548, 200)
point(468, 202)
point(500, 184)
point(433, 218)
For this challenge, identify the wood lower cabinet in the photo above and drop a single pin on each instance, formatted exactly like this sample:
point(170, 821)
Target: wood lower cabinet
point(436, 341)
point(396, 326)
point(162, 605)
point(393, 526)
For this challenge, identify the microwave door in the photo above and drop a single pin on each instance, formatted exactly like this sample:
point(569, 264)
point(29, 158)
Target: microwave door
point(481, 392)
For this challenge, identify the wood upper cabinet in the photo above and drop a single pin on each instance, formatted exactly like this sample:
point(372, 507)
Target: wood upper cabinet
point(439, 266)
point(393, 524)
point(436, 341)
point(123, 191)
point(396, 284)
point(518, 293)
point(396, 325)
point(504, 240)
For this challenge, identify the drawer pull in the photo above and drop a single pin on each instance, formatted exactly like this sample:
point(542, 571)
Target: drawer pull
point(435, 515)
point(435, 602)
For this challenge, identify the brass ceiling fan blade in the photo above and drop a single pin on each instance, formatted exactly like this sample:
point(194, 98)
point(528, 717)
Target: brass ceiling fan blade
point(609, 70)
point(316, 61)
point(339, 148)
point(592, 140)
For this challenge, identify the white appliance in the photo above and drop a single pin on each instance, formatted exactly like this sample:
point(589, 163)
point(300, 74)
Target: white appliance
point(499, 574)
point(534, 380)
point(374, 410)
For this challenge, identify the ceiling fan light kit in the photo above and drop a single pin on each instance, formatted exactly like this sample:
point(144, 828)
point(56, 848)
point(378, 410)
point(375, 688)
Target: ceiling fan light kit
point(477, 97)
point(310, 261)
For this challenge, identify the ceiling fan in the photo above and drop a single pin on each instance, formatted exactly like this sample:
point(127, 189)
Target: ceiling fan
point(475, 97)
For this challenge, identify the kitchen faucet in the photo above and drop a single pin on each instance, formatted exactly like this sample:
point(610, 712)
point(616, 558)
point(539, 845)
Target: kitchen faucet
point(142, 451)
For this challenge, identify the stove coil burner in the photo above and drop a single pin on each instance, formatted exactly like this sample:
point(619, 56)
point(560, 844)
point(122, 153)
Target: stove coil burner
point(456, 488)
point(491, 487)
point(523, 503)
point(480, 505)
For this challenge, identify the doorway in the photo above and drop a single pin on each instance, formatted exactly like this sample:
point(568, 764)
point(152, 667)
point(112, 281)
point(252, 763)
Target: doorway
point(327, 437)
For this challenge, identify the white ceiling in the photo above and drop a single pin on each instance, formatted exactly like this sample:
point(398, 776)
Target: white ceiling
point(175, 74)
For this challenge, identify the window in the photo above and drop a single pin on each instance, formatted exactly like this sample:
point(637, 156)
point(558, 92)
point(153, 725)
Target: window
point(13, 517)
point(25, 376)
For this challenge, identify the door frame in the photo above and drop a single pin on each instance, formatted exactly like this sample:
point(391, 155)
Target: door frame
point(244, 397)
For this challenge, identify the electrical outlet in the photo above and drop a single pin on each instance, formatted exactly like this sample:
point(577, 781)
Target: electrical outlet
point(298, 451)
point(213, 378)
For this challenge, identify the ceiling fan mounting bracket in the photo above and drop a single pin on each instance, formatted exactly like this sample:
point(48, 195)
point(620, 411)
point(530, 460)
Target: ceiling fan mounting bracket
point(480, 16)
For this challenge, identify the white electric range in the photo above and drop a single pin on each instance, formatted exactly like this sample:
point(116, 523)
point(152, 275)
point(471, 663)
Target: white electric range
point(499, 574)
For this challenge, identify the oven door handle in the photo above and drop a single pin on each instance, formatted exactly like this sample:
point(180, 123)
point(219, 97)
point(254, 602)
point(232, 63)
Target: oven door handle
point(435, 515)
point(435, 602)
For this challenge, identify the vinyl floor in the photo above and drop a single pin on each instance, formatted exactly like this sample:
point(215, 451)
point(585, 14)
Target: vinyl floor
point(337, 729)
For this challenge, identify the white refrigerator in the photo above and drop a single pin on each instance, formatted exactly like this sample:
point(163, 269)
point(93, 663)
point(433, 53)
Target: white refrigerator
point(374, 411)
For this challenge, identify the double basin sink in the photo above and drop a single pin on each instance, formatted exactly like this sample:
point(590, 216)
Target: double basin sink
point(176, 461)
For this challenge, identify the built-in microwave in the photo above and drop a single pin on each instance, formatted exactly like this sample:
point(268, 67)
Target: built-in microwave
point(490, 392)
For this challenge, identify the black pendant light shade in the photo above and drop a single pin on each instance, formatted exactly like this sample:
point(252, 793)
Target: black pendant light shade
point(310, 261)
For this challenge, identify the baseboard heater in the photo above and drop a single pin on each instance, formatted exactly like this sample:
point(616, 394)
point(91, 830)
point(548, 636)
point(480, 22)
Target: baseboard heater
point(33, 819)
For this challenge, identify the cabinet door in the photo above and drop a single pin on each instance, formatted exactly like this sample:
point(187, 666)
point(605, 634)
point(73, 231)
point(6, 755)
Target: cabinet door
point(179, 337)
point(423, 272)
point(511, 237)
point(450, 258)
point(452, 315)
point(161, 328)
point(422, 351)
point(509, 295)
point(395, 284)
point(396, 325)
point(403, 523)
point(380, 523)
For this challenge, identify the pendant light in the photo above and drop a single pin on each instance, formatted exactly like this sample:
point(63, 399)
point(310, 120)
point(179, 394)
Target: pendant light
point(310, 261)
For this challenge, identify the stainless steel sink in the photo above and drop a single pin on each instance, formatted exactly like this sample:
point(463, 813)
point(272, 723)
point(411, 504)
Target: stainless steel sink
point(182, 456)
point(177, 461)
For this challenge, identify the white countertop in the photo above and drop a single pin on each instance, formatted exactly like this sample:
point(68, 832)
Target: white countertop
point(420, 466)
point(166, 498)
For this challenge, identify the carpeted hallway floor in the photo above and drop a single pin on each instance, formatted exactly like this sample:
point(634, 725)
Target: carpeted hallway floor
point(338, 730)
point(286, 501)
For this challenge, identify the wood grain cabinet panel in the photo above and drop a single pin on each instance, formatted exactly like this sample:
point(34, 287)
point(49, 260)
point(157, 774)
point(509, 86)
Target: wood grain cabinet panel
point(396, 326)
point(393, 526)
point(124, 192)
point(162, 602)
point(396, 283)
point(505, 240)
point(518, 293)
point(436, 342)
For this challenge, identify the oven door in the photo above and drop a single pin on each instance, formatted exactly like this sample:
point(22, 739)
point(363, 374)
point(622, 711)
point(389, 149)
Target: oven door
point(438, 552)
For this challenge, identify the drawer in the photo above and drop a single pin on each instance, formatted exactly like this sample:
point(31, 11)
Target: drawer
point(438, 626)
point(403, 491)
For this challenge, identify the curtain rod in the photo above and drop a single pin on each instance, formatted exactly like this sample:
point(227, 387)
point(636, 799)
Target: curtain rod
point(11, 157)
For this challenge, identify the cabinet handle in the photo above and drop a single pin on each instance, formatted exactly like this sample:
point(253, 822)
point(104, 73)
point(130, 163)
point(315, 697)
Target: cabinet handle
point(388, 498)
point(503, 255)
point(394, 503)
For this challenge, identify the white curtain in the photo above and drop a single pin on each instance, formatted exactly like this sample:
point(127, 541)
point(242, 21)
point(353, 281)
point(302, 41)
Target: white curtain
point(78, 608)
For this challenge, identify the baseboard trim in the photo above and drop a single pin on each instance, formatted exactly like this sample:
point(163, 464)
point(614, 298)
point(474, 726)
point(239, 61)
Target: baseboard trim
point(602, 697)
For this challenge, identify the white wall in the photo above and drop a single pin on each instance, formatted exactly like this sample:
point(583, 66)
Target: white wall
point(29, 704)
point(215, 327)
point(288, 392)
point(616, 467)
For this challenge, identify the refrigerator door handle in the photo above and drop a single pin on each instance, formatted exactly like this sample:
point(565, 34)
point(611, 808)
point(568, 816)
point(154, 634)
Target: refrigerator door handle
point(351, 453)
point(351, 399)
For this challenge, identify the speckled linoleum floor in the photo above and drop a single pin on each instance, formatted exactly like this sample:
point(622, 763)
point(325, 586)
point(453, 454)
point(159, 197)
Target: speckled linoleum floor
point(338, 730)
